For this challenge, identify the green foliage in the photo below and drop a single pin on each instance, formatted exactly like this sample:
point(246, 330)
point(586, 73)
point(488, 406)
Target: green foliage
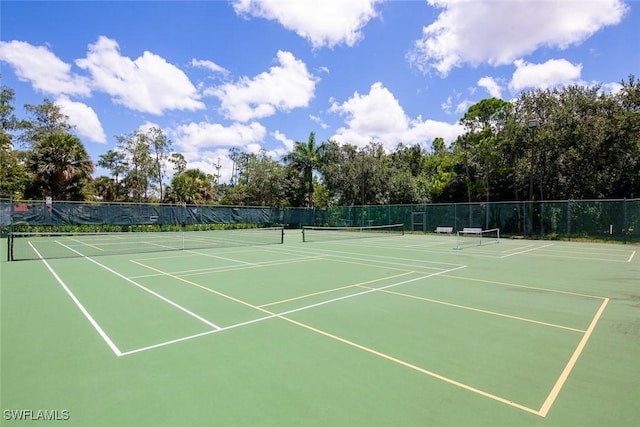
point(191, 187)
point(45, 120)
point(261, 181)
point(305, 159)
point(60, 166)
point(586, 144)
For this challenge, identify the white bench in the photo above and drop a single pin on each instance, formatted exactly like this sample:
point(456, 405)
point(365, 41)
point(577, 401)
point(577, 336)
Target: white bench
point(444, 230)
point(472, 230)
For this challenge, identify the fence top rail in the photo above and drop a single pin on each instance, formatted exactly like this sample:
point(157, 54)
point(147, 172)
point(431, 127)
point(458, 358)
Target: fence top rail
point(157, 204)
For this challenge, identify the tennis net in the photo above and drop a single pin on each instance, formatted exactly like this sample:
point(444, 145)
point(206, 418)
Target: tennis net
point(46, 245)
point(313, 233)
point(476, 237)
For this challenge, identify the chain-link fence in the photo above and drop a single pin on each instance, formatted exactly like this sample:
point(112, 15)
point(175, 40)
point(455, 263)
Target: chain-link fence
point(617, 220)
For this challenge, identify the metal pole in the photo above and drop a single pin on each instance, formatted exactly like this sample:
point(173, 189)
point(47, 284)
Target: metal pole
point(569, 220)
point(624, 221)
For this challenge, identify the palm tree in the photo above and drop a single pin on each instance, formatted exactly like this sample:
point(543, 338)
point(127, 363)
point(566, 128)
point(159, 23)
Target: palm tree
point(192, 187)
point(61, 167)
point(305, 158)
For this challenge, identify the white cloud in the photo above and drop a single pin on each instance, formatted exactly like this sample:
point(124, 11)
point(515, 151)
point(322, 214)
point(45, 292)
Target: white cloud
point(492, 86)
point(288, 143)
point(612, 88)
point(209, 65)
point(193, 138)
point(318, 121)
point(378, 117)
point(427, 130)
point(498, 32)
point(147, 125)
point(447, 106)
point(463, 106)
point(147, 84)
point(208, 160)
point(44, 70)
point(84, 118)
point(321, 22)
point(286, 86)
point(555, 72)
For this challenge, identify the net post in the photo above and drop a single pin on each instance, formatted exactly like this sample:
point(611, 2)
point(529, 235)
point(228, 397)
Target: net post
point(458, 246)
point(303, 239)
point(282, 234)
point(10, 239)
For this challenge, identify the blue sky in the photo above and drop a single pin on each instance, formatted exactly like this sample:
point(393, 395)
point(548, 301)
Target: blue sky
point(259, 74)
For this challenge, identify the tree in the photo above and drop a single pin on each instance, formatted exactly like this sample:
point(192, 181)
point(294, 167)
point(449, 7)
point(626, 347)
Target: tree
point(104, 188)
point(159, 147)
point(480, 145)
point(115, 162)
point(13, 175)
point(407, 183)
point(192, 186)
point(45, 120)
point(305, 158)
point(138, 157)
point(179, 162)
point(261, 181)
point(441, 178)
point(60, 166)
point(375, 175)
point(341, 167)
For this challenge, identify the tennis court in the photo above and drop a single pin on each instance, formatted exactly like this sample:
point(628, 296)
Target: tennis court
point(269, 330)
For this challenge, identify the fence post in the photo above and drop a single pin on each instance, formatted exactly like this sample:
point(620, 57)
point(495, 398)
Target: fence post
point(455, 217)
point(524, 218)
point(568, 219)
point(624, 221)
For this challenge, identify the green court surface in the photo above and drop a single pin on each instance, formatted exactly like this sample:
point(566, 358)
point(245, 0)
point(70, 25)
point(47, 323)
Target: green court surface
point(399, 330)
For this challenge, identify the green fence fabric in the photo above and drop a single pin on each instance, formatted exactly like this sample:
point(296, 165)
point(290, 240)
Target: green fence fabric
point(598, 219)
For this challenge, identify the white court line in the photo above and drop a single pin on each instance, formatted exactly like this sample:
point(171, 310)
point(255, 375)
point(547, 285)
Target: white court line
point(220, 269)
point(222, 258)
point(516, 249)
point(85, 244)
point(372, 258)
point(631, 257)
point(313, 294)
point(167, 300)
point(91, 320)
point(201, 334)
point(419, 250)
point(525, 251)
point(282, 314)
